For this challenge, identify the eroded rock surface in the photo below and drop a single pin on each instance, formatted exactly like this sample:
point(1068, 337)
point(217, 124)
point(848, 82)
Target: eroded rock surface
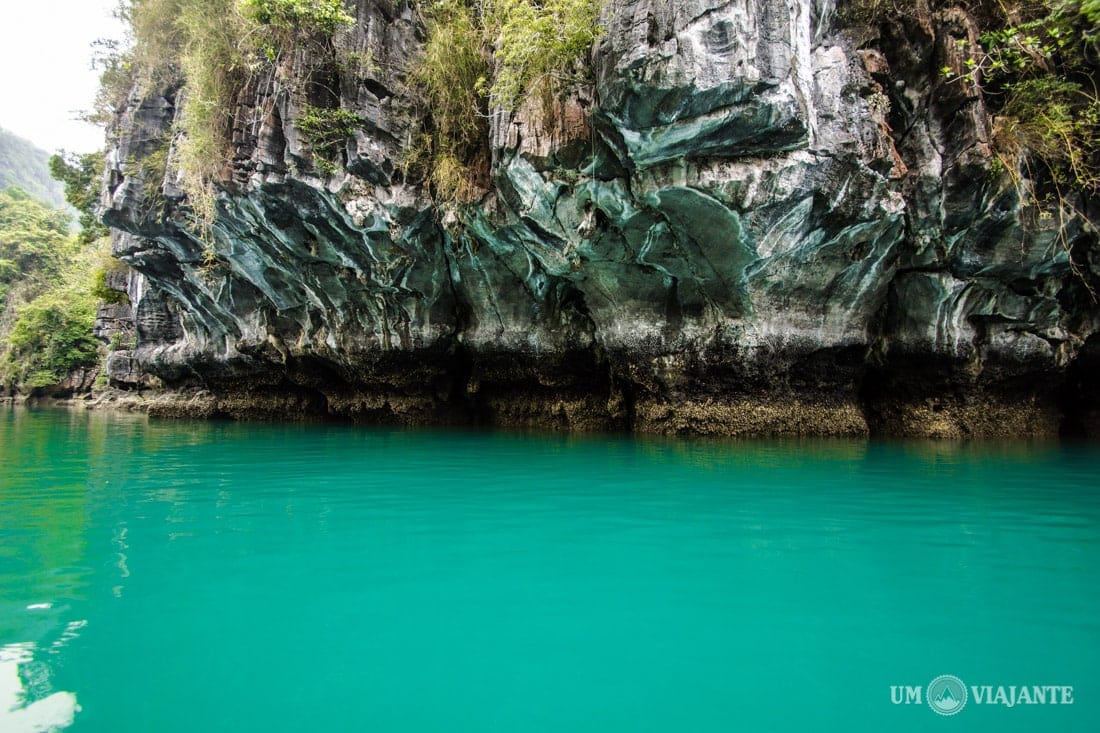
point(754, 220)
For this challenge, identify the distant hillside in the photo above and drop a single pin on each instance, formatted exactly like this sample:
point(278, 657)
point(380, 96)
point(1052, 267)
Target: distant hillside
point(24, 165)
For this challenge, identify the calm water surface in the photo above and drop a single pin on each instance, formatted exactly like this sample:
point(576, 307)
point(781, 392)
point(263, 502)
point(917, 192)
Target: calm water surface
point(174, 576)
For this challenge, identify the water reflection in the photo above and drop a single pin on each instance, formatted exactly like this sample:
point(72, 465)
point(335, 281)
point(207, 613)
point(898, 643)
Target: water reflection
point(437, 580)
point(26, 706)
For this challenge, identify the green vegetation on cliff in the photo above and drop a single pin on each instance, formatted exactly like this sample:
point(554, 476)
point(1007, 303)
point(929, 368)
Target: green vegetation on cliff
point(295, 18)
point(534, 48)
point(1038, 69)
point(452, 75)
point(539, 47)
point(1035, 65)
point(478, 55)
point(215, 47)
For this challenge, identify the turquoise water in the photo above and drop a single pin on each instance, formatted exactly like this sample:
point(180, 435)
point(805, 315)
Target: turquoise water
point(174, 576)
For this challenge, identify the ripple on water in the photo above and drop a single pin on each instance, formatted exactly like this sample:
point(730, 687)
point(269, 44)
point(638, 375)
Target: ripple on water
point(244, 577)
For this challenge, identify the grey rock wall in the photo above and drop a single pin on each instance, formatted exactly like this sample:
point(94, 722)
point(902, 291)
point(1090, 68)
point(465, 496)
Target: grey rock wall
point(753, 220)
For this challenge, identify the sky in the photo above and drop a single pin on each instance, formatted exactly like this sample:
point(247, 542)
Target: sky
point(45, 73)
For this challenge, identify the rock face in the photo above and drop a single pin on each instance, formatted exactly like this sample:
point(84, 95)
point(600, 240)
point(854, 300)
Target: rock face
point(754, 220)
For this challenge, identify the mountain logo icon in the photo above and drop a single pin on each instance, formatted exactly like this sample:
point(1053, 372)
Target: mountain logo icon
point(946, 694)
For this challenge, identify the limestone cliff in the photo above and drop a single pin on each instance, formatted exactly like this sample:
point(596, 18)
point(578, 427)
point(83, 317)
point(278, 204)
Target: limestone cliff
point(754, 220)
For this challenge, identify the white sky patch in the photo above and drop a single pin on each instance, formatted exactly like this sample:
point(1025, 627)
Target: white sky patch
point(46, 78)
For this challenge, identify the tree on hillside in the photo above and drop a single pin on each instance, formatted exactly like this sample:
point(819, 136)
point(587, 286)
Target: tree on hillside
point(34, 241)
point(81, 175)
point(47, 309)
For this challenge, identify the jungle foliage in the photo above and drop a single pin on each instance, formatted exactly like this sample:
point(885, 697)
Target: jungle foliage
point(47, 309)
